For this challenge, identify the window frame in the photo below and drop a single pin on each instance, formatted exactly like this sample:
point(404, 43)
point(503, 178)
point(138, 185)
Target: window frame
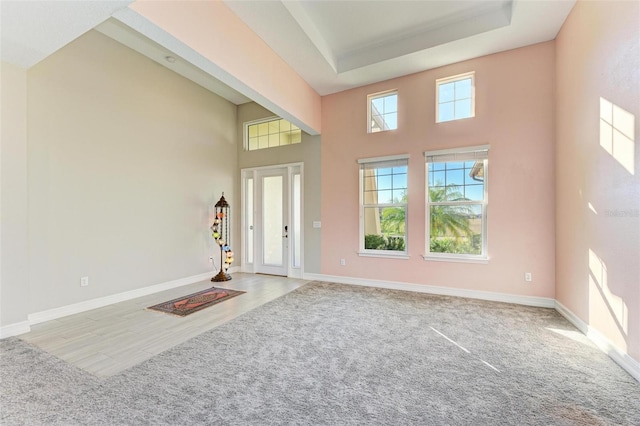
point(370, 99)
point(458, 155)
point(395, 254)
point(453, 79)
point(246, 125)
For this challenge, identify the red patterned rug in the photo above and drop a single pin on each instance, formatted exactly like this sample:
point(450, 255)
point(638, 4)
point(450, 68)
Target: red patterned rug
point(186, 305)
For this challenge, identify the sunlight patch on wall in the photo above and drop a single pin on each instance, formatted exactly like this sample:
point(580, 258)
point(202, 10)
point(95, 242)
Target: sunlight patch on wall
point(602, 301)
point(593, 209)
point(617, 134)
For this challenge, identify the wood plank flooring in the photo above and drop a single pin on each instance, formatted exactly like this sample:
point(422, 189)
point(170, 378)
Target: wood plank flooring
point(111, 339)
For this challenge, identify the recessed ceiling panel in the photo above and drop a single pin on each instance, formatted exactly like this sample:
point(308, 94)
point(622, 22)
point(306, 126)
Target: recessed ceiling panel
point(475, 18)
point(337, 45)
point(350, 26)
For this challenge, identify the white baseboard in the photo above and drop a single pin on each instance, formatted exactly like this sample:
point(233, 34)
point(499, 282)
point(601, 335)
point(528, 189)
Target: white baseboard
point(542, 302)
point(14, 329)
point(87, 305)
point(618, 355)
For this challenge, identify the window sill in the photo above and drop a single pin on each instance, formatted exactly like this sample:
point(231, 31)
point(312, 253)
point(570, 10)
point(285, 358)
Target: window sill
point(455, 119)
point(385, 255)
point(455, 259)
point(380, 131)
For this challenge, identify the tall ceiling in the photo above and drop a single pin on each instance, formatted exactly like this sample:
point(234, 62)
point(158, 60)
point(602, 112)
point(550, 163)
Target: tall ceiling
point(337, 45)
point(333, 45)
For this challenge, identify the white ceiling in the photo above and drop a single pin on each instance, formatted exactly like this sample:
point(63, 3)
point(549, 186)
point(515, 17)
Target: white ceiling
point(33, 30)
point(337, 45)
point(333, 45)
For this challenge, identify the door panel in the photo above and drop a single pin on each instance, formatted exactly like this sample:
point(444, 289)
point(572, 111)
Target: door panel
point(272, 221)
point(272, 236)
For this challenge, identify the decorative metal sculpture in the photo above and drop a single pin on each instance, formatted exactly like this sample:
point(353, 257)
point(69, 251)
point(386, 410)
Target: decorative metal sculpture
point(220, 233)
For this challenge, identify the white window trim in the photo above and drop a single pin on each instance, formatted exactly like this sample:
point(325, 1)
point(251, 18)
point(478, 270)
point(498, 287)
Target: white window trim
point(451, 257)
point(453, 78)
point(381, 253)
point(460, 259)
point(384, 254)
point(369, 99)
point(386, 158)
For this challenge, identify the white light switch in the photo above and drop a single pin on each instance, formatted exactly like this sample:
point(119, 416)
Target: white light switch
point(317, 224)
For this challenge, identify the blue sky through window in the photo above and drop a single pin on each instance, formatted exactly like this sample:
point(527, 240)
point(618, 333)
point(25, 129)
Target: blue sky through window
point(384, 112)
point(389, 183)
point(457, 177)
point(455, 100)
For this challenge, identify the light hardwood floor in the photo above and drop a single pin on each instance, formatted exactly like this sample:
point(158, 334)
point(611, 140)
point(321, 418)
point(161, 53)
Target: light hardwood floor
point(108, 340)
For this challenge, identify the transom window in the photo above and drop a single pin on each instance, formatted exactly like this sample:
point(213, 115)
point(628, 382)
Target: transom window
point(383, 111)
point(383, 205)
point(270, 133)
point(455, 98)
point(457, 203)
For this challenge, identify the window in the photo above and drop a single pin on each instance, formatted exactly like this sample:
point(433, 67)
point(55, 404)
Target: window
point(249, 219)
point(383, 205)
point(455, 97)
point(296, 198)
point(457, 203)
point(383, 111)
point(270, 133)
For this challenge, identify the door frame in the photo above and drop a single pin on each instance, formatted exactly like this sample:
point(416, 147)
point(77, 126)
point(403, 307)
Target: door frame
point(252, 172)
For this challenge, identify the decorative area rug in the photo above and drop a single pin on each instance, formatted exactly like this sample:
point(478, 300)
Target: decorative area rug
point(195, 302)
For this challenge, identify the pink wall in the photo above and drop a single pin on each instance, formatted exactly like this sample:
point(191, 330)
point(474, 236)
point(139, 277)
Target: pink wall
point(598, 178)
point(215, 32)
point(514, 114)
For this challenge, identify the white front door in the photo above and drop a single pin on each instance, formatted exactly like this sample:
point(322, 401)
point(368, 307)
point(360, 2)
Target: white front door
point(272, 220)
point(272, 224)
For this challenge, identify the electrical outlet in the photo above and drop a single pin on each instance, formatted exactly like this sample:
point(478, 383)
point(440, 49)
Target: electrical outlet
point(84, 281)
point(527, 277)
point(343, 262)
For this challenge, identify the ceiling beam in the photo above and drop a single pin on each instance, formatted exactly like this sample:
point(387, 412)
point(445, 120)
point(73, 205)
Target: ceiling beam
point(306, 24)
point(212, 37)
